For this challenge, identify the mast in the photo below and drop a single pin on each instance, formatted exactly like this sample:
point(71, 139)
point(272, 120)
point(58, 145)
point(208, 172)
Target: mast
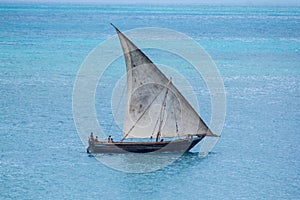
point(162, 112)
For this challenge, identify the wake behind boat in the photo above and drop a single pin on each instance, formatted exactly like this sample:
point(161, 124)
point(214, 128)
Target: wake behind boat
point(155, 109)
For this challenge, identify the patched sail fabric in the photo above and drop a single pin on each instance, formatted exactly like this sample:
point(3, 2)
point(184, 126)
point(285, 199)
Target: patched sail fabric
point(154, 105)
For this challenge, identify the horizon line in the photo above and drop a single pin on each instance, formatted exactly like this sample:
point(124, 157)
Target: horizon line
point(82, 2)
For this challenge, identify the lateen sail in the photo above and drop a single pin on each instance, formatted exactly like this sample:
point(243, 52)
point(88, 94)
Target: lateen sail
point(149, 94)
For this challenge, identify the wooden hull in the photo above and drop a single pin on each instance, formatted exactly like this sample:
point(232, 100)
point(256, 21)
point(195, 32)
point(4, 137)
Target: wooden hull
point(182, 145)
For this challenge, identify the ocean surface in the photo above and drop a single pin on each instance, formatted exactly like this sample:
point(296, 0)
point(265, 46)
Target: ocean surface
point(256, 49)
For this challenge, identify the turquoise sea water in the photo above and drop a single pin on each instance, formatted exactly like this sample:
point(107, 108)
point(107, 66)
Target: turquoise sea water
point(256, 49)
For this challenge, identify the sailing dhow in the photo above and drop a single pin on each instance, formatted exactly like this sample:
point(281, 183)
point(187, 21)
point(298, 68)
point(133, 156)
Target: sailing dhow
point(155, 109)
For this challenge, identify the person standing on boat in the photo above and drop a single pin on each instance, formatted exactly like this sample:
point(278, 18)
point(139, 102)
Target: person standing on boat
point(109, 139)
point(91, 142)
point(91, 136)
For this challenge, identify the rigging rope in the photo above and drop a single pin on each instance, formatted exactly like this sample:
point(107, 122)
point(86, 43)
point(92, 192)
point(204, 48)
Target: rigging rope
point(154, 127)
point(147, 110)
point(163, 107)
point(118, 106)
point(176, 125)
point(162, 113)
point(141, 116)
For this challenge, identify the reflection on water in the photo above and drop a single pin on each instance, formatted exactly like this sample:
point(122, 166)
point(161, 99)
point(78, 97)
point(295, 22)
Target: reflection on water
point(147, 162)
